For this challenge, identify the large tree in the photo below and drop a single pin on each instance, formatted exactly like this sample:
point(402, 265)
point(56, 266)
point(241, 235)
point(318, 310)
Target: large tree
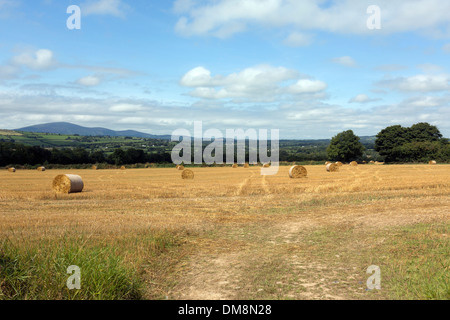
point(345, 146)
point(390, 139)
point(419, 142)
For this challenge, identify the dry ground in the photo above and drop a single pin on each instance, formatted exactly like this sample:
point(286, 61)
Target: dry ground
point(247, 236)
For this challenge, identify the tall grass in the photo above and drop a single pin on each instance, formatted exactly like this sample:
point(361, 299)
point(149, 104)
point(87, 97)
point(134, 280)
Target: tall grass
point(109, 271)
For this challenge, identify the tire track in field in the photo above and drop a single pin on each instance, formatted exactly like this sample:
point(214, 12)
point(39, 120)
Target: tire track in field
point(265, 185)
point(245, 183)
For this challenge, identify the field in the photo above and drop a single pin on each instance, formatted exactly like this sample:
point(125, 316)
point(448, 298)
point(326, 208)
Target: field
point(228, 234)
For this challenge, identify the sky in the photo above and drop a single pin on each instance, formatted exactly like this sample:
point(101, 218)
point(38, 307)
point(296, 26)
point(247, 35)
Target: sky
point(310, 68)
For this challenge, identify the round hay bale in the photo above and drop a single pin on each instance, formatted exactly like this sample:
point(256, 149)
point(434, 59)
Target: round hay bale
point(379, 163)
point(12, 169)
point(187, 174)
point(41, 169)
point(266, 165)
point(332, 167)
point(235, 165)
point(432, 162)
point(246, 165)
point(340, 164)
point(353, 163)
point(180, 167)
point(327, 163)
point(122, 168)
point(68, 183)
point(297, 172)
point(94, 168)
point(372, 162)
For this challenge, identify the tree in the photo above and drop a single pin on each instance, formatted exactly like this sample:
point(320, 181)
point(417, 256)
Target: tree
point(419, 142)
point(390, 138)
point(345, 147)
point(423, 131)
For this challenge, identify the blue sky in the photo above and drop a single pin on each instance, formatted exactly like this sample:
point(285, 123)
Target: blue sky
point(310, 68)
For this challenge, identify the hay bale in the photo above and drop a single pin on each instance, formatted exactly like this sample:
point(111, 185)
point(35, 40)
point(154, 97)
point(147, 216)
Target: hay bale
point(235, 165)
point(266, 165)
point(94, 168)
point(332, 167)
point(372, 162)
point(41, 169)
point(327, 163)
point(180, 167)
point(353, 163)
point(187, 174)
point(246, 165)
point(122, 168)
point(297, 172)
point(432, 162)
point(68, 183)
point(12, 169)
point(340, 164)
point(379, 163)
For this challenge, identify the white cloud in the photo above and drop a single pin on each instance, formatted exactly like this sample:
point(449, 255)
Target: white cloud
point(8, 72)
point(418, 83)
point(89, 81)
point(258, 83)
point(126, 107)
point(361, 98)
point(298, 39)
point(104, 7)
point(345, 61)
point(197, 77)
point(345, 17)
point(430, 68)
point(307, 86)
point(42, 59)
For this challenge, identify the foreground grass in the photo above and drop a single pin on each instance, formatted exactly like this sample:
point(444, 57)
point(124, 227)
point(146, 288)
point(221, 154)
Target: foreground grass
point(110, 270)
point(419, 265)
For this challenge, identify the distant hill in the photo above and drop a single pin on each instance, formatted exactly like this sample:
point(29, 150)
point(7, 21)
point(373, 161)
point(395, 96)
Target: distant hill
point(67, 128)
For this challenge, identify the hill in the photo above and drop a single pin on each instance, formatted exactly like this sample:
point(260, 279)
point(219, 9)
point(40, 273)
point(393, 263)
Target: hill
point(66, 128)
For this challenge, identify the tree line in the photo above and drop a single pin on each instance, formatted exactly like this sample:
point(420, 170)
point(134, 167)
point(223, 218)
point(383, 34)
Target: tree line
point(19, 154)
point(421, 142)
point(395, 144)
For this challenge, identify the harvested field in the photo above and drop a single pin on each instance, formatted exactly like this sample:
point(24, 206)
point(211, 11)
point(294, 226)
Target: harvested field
point(241, 235)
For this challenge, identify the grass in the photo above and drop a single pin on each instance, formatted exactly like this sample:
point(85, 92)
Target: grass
point(419, 265)
point(37, 270)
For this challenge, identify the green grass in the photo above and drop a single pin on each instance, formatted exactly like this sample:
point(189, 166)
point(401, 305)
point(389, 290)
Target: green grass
point(114, 270)
point(419, 265)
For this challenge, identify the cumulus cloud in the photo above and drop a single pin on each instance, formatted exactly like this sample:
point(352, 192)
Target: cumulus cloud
point(42, 59)
point(345, 61)
point(89, 81)
point(258, 83)
point(126, 107)
point(307, 86)
point(296, 118)
point(362, 98)
point(418, 83)
point(345, 17)
point(298, 39)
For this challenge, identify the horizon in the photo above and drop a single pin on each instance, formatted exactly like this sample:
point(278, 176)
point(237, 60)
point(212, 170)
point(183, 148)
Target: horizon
point(311, 69)
point(167, 134)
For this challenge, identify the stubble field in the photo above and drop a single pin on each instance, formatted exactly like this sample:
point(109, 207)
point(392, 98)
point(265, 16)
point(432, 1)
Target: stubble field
point(228, 234)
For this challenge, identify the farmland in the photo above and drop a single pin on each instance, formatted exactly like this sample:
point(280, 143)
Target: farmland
point(228, 234)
